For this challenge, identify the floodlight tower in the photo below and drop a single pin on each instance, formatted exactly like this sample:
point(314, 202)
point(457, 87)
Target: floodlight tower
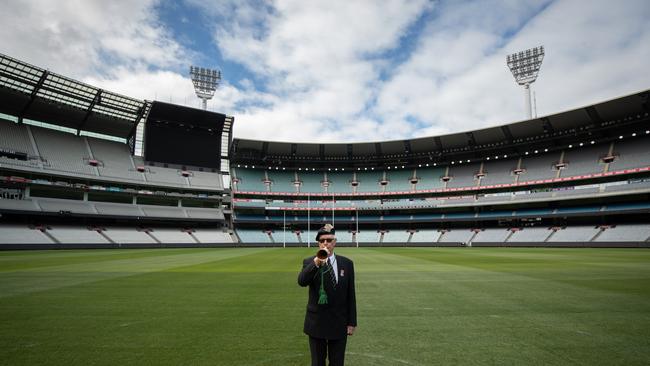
point(525, 66)
point(205, 83)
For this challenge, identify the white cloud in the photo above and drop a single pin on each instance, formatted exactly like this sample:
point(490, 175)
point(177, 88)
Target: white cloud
point(78, 38)
point(457, 79)
point(352, 70)
point(321, 60)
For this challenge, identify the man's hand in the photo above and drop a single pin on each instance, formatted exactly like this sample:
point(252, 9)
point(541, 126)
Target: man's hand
point(319, 262)
point(351, 330)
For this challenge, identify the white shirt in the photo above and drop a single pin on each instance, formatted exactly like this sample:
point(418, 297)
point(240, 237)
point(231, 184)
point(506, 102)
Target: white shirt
point(335, 266)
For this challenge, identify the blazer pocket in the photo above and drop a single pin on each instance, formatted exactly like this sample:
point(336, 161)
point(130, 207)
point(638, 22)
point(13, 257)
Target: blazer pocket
point(312, 308)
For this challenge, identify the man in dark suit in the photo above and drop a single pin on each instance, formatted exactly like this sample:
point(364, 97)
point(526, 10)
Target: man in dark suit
point(332, 309)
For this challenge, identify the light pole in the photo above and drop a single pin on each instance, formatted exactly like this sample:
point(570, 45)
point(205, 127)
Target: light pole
point(525, 67)
point(205, 83)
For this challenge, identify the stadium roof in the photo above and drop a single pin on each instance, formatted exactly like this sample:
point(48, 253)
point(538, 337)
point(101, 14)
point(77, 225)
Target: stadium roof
point(27, 91)
point(598, 121)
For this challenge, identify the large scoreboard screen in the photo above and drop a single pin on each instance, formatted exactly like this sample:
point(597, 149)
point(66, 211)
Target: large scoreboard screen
point(182, 135)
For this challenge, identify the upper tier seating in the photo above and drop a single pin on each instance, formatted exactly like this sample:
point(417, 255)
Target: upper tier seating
point(14, 137)
point(498, 172)
point(165, 176)
point(55, 205)
point(631, 153)
point(463, 175)
point(115, 160)
point(66, 154)
point(63, 151)
point(200, 179)
point(311, 182)
point(369, 181)
point(249, 180)
point(578, 160)
point(584, 160)
point(339, 182)
point(539, 167)
point(429, 178)
point(399, 180)
point(282, 181)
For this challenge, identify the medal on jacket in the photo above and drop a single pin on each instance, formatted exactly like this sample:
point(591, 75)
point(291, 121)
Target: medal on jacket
point(342, 273)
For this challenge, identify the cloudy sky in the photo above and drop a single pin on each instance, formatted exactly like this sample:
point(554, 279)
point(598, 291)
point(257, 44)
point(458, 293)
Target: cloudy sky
point(344, 70)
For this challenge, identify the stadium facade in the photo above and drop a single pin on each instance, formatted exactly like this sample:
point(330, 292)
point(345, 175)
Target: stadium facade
point(74, 173)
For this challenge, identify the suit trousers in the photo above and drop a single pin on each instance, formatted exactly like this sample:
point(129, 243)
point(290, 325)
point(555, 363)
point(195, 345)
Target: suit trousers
point(334, 349)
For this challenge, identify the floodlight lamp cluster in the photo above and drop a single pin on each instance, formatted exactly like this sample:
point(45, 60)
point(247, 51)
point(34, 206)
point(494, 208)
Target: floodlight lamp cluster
point(205, 81)
point(525, 65)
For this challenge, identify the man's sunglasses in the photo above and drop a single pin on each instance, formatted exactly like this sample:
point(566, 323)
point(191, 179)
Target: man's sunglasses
point(328, 240)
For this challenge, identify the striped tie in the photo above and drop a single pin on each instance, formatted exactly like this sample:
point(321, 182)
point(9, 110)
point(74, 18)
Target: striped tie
point(331, 273)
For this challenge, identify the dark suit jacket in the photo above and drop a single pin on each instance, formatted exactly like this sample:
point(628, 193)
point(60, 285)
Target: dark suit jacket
point(329, 321)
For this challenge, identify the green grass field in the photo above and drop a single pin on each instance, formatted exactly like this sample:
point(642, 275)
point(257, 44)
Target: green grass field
point(417, 306)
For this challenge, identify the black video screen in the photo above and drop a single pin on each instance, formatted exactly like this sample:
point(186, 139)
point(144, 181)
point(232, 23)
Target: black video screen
point(182, 135)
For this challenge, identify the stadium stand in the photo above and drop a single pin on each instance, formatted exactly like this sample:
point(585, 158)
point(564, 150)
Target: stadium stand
point(367, 236)
point(72, 159)
point(128, 235)
point(430, 178)
point(208, 236)
point(253, 236)
point(456, 236)
point(492, 235)
point(339, 182)
point(530, 235)
point(344, 236)
point(584, 160)
point(77, 235)
point(399, 180)
point(499, 172)
point(21, 234)
point(199, 179)
point(114, 160)
point(574, 234)
point(282, 181)
point(311, 182)
point(539, 167)
point(463, 175)
point(166, 176)
point(250, 180)
point(369, 181)
point(65, 206)
point(395, 236)
point(172, 236)
point(625, 233)
point(425, 236)
point(82, 190)
point(631, 153)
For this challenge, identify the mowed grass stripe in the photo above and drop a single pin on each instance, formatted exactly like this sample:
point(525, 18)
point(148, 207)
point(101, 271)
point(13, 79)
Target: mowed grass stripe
point(417, 306)
point(71, 270)
point(23, 260)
